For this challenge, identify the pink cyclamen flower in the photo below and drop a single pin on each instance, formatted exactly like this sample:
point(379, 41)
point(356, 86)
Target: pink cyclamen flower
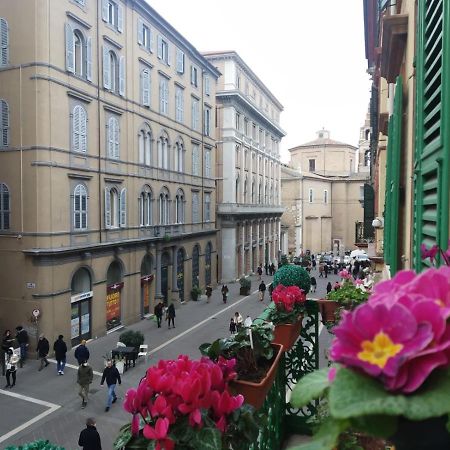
point(345, 274)
point(431, 252)
point(399, 339)
point(332, 374)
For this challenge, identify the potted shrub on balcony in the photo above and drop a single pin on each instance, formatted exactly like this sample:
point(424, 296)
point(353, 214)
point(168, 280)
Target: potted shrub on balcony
point(257, 359)
point(246, 285)
point(392, 373)
point(195, 293)
point(292, 275)
point(187, 404)
point(36, 445)
point(287, 314)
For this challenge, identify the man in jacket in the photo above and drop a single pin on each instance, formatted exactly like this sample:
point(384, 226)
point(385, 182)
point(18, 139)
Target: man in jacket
point(42, 349)
point(89, 438)
point(22, 340)
point(112, 376)
point(159, 313)
point(60, 349)
point(84, 379)
point(82, 353)
point(262, 290)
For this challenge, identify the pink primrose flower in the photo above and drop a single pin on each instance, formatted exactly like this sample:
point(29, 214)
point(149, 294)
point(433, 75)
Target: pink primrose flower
point(431, 252)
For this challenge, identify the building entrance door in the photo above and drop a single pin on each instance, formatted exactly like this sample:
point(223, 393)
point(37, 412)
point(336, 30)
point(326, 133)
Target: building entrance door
point(80, 321)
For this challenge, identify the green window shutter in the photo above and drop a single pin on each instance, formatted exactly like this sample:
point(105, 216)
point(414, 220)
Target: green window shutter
point(431, 174)
point(387, 196)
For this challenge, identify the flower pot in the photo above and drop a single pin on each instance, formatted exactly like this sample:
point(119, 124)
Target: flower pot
point(256, 393)
point(244, 291)
point(287, 333)
point(328, 310)
point(422, 435)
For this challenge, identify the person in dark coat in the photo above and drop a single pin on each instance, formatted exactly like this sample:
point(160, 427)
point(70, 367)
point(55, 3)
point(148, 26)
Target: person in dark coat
point(270, 289)
point(112, 377)
point(84, 379)
point(224, 291)
point(89, 438)
point(325, 270)
point(233, 327)
point(22, 340)
point(42, 350)
point(159, 313)
point(208, 292)
point(272, 269)
point(262, 290)
point(266, 268)
point(60, 349)
point(313, 284)
point(171, 315)
point(329, 287)
point(82, 353)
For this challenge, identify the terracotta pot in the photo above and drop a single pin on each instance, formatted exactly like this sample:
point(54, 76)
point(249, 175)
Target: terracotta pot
point(328, 310)
point(287, 333)
point(256, 393)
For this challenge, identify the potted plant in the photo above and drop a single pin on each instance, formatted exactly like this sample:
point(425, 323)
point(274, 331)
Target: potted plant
point(195, 292)
point(292, 275)
point(36, 445)
point(187, 404)
point(392, 370)
point(287, 314)
point(246, 285)
point(257, 359)
point(132, 339)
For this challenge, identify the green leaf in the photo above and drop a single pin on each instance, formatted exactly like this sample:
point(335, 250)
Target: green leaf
point(310, 387)
point(208, 439)
point(378, 426)
point(354, 395)
point(124, 437)
point(327, 436)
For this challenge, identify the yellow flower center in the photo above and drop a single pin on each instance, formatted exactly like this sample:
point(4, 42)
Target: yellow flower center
point(378, 351)
point(440, 303)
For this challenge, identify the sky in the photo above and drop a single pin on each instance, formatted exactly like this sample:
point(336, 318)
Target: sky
point(309, 53)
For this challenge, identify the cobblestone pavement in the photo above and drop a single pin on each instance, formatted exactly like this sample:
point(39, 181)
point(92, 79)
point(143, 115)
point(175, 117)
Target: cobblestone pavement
point(45, 405)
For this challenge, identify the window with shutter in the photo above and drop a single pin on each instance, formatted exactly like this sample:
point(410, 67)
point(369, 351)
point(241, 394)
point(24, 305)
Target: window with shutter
point(179, 104)
point(120, 18)
point(195, 207)
point(160, 47)
point(195, 159)
point(180, 61)
point(105, 10)
point(195, 114)
point(122, 75)
point(163, 95)
point(4, 207)
point(4, 42)
point(4, 123)
point(431, 175)
point(106, 68)
point(79, 129)
point(113, 138)
point(208, 163)
point(80, 208)
point(145, 87)
point(207, 85)
point(140, 31)
point(89, 59)
point(123, 207)
point(207, 207)
point(107, 207)
point(70, 48)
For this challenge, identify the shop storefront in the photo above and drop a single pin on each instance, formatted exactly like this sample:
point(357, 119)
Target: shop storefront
point(146, 282)
point(113, 305)
point(80, 317)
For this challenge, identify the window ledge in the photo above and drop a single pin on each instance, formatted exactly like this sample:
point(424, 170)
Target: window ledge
point(395, 31)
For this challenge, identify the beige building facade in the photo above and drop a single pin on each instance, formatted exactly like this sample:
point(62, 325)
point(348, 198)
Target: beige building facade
point(248, 168)
point(323, 197)
point(106, 165)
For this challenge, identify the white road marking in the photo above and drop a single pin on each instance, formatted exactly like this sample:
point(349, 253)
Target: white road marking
point(52, 407)
point(73, 366)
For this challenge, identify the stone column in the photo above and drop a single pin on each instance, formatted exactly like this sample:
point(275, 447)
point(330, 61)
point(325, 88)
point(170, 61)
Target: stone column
point(263, 200)
point(257, 256)
point(264, 240)
point(158, 293)
point(241, 197)
point(229, 237)
point(175, 290)
point(250, 248)
point(242, 248)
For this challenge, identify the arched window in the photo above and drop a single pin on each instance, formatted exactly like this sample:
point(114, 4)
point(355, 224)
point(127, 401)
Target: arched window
point(179, 206)
point(163, 152)
point(164, 207)
point(145, 87)
point(114, 71)
point(145, 146)
point(4, 123)
point(4, 42)
point(179, 156)
point(145, 207)
point(80, 207)
point(113, 207)
point(367, 158)
point(79, 129)
point(4, 207)
point(80, 53)
point(113, 138)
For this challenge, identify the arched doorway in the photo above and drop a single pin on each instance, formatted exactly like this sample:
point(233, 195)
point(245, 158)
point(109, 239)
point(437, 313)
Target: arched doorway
point(146, 282)
point(195, 265)
point(180, 272)
point(114, 285)
point(165, 262)
point(208, 251)
point(80, 306)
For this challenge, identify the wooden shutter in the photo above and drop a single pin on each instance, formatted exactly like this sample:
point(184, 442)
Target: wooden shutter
point(145, 81)
point(122, 75)
point(123, 207)
point(116, 139)
point(107, 208)
point(4, 123)
point(140, 31)
point(169, 55)
point(76, 129)
point(4, 42)
point(207, 85)
point(152, 39)
point(89, 59)
point(431, 175)
point(70, 48)
point(106, 68)
point(105, 10)
point(84, 209)
point(120, 18)
point(160, 47)
point(83, 130)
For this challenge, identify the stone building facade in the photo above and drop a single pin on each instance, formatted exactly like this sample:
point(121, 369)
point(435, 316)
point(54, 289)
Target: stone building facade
point(106, 165)
point(248, 168)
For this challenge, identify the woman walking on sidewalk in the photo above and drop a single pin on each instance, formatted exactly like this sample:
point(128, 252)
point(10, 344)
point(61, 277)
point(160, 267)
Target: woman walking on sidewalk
point(224, 291)
point(171, 314)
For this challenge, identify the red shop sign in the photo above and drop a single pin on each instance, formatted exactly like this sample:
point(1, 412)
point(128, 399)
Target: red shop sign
point(114, 287)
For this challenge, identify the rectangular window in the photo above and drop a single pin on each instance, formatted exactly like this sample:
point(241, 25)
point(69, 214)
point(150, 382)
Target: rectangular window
point(361, 193)
point(164, 96)
point(312, 165)
point(207, 123)
point(246, 127)
point(180, 61)
point(179, 104)
point(195, 114)
point(163, 50)
point(145, 87)
point(207, 207)
point(325, 196)
point(208, 163)
point(194, 76)
point(112, 13)
point(207, 85)
point(195, 207)
point(195, 160)
point(254, 131)
point(310, 196)
point(238, 122)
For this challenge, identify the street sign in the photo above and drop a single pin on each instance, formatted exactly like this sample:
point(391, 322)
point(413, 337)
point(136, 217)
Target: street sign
point(36, 313)
point(31, 285)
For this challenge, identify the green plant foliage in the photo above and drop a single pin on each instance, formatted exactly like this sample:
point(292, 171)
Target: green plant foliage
point(348, 295)
point(36, 445)
point(132, 338)
point(195, 293)
point(292, 275)
point(245, 283)
point(310, 387)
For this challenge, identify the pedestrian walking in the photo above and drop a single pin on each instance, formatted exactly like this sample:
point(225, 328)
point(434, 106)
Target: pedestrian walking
point(158, 311)
point(321, 270)
point(270, 289)
point(112, 377)
point(232, 327)
point(208, 292)
point(85, 376)
point(238, 320)
point(325, 270)
point(266, 267)
point(313, 284)
point(7, 342)
point(273, 269)
point(314, 264)
point(329, 287)
point(224, 291)
point(262, 290)
point(171, 314)
point(60, 349)
point(82, 353)
point(42, 350)
point(89, 438)
point(22, 339)
point(11, 367)
point(259, 272)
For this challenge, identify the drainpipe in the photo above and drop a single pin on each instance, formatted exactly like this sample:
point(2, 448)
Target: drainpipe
point(99, 136)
